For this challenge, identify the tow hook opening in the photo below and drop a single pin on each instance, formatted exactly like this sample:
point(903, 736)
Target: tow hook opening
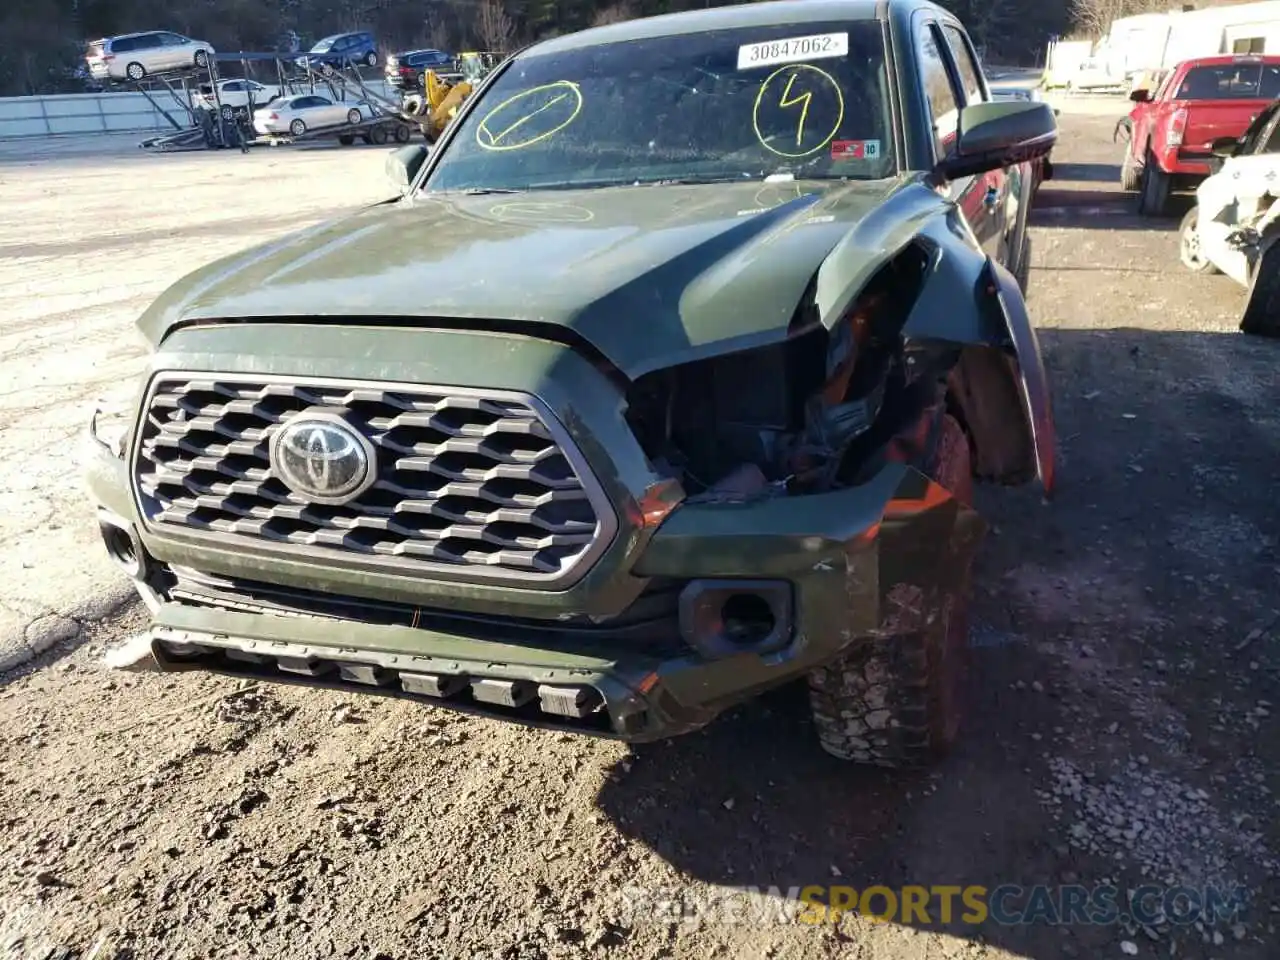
point(720, 618)
point(122, 543)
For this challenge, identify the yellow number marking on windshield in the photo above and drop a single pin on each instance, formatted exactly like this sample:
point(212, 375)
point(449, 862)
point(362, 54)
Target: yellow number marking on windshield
point(567, 104)
point(815, 79)
point(786, 100)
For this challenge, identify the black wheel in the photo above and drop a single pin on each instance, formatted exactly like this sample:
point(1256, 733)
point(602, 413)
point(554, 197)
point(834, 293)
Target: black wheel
point(202, 58)
point(1262, 312)
point(354, 115)
point(896, 701)
point(370, 59)
point(379, 134)
point(1189, 250)
point(346, 139)
point(298, 128)
point(135, 71)
point(1130, 175)
point(403, 133)
point(1155, 189)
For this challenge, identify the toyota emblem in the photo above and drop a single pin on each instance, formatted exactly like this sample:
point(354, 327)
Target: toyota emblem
point(322, 458)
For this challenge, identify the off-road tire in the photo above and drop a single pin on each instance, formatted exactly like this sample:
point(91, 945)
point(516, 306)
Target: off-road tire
point(1189, 245)
point(1156, 184)
point(354, 116)
point(896, 701)
point(202, 58)
point(298, 127)
point(135, 71)
point(1130, 175)
point(1262, 310)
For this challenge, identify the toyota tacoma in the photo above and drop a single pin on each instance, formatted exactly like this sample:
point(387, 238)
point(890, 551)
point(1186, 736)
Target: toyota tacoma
point(664, 380)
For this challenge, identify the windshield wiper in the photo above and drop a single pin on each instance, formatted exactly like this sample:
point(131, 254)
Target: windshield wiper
point(673, 181)
point(483, 191)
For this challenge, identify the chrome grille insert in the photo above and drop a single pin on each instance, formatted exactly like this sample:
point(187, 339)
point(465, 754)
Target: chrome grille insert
point(470, 484)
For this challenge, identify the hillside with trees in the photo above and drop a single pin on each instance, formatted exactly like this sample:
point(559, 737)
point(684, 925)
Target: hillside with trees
point(42, 41)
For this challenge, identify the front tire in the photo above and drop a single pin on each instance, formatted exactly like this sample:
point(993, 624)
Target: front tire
point(370, 59)
point(896, 701)
point(1189, 249)
point(1156, 185)
point(1262, 312)
point(298, 128)
point(354, 116)
point(202, 58)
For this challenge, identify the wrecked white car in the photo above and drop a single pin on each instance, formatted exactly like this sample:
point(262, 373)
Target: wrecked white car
point(1234, 226)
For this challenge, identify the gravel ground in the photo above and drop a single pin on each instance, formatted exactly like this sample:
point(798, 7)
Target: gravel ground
point(1126, 663)
point(91, 230)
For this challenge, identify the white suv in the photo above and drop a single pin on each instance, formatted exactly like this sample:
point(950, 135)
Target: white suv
point(133, 56)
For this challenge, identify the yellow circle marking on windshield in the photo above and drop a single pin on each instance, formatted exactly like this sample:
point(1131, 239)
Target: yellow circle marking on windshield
point(496, 132)
point(797, 103)
point(531, 211)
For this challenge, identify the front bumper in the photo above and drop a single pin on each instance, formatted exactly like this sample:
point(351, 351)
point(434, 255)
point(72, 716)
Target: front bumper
point(843, 565)
point(846, 556)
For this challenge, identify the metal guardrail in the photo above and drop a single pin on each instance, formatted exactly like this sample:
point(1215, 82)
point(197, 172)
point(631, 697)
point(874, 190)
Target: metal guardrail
point(78, 113)
point(90, 113)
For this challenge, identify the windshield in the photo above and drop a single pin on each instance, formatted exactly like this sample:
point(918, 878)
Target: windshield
point(747, 103)
point(323, 45)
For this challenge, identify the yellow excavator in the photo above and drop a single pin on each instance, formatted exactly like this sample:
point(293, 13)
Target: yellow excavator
point(443, 97)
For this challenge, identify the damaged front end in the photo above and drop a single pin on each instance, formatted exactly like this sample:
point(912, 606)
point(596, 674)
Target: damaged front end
point(774, 506)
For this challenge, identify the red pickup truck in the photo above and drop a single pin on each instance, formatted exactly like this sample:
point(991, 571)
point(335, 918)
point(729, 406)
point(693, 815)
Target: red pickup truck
point(1173, 130)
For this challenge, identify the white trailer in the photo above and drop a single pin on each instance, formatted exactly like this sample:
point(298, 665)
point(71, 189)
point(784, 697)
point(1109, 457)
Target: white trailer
point(1152, 42)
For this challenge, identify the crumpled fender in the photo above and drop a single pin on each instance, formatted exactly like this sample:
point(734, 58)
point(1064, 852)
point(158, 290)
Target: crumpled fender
point(1034, 382)
point(996, 319)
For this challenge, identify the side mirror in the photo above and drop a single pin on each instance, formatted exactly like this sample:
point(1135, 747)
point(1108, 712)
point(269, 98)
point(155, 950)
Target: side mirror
point(1224, 147)
point(998, 134)
point(403, 164)
point(1141, 95)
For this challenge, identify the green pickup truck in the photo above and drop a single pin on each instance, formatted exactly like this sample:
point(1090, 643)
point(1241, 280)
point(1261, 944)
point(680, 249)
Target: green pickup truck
point(665, 380)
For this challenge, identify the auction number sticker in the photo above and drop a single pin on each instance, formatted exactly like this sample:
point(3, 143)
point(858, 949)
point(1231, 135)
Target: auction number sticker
point(794, 50)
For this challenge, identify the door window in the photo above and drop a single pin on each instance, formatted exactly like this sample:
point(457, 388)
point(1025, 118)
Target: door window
point(1272, 142)
point(938, 89)
point(970, 74)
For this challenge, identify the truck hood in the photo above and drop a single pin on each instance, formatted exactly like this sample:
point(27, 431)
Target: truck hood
point(651, 276)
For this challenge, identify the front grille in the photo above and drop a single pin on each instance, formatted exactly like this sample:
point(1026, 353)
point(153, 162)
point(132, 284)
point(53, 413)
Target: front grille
point(468, 484)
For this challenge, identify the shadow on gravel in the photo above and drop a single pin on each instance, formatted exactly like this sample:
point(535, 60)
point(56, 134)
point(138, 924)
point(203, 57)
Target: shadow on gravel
point(1102, 210)
point(1086, 172)
point(1161, 546)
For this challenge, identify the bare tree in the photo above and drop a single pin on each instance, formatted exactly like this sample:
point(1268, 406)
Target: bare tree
point(493, 25)
point(1094, 17)
point(614, 13)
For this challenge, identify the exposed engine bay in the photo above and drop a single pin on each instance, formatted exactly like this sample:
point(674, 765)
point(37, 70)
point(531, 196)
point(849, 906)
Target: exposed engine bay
point(802, 416)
